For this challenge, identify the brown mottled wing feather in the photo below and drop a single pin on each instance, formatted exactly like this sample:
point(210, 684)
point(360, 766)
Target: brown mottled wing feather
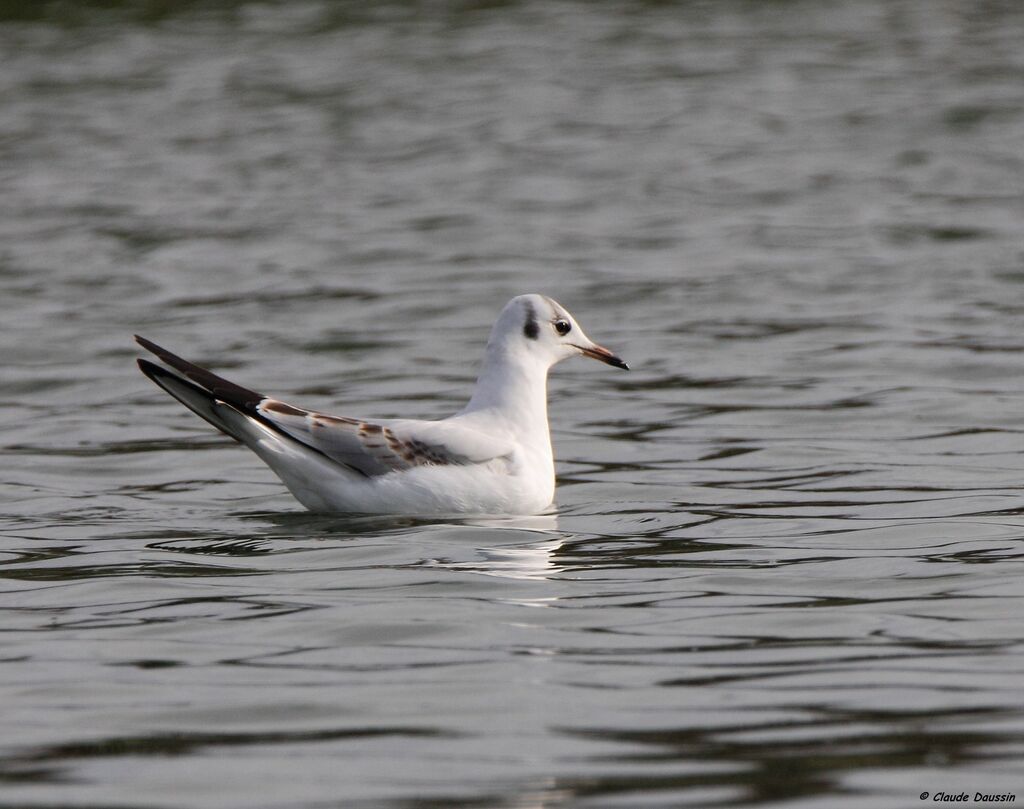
point(376, 448)
point(399, 450)
point(339, 438)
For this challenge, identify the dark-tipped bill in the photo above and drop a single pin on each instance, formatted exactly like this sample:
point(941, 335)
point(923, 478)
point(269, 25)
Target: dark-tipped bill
point(600, 353)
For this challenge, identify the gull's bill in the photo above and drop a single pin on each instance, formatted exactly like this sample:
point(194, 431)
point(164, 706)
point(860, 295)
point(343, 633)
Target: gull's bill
point(604, 355)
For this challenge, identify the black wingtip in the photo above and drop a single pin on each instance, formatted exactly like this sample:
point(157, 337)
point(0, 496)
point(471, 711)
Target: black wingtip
point(148, 368)
point(223, 389)
point(156, 372)
point(152, 347)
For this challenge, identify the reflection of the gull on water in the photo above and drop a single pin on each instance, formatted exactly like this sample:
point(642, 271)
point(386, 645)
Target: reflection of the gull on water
point(509, 547)
point(528, 556)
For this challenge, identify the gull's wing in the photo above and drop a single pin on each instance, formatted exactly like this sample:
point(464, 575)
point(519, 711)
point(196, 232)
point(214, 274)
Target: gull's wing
point(379, 447)
point(369, 447)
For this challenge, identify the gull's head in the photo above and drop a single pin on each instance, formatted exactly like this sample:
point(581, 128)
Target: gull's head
point(540, 330)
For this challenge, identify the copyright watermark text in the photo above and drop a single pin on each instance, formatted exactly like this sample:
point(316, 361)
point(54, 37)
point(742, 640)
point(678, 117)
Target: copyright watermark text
point(967, 797)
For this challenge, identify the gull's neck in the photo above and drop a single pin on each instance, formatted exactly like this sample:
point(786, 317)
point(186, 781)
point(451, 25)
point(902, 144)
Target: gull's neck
point(515, 388)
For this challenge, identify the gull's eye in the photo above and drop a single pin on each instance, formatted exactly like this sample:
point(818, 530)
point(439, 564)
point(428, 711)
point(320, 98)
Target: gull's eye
point(563, 327)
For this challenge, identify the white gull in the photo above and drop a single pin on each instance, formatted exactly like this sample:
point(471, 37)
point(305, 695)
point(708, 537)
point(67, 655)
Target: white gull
point(491, 458)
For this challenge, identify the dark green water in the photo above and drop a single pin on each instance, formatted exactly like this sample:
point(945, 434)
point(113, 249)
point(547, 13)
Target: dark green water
point(786, 568)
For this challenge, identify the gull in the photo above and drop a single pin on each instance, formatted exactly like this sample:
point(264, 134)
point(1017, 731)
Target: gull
point(493, 457)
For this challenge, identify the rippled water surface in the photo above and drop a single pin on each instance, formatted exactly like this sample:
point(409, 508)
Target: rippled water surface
point(786, 565)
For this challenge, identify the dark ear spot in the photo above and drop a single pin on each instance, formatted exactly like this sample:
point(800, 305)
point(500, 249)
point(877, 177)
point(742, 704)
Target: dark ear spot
point(530, 328)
